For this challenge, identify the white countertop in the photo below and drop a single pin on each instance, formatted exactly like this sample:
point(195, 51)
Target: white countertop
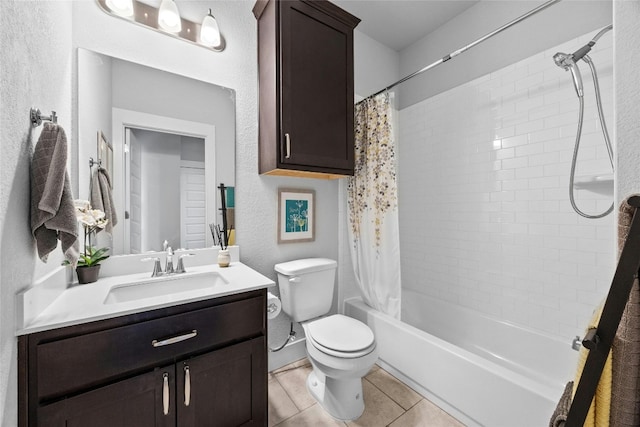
point(86, 303)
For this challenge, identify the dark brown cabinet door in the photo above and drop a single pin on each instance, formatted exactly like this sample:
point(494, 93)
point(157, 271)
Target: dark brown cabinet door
point(317, 78)
point(224, 388)
point(137, 402)
point(305, 62)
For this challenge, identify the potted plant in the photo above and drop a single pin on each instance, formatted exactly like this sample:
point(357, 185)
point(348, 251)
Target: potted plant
point(92, 221)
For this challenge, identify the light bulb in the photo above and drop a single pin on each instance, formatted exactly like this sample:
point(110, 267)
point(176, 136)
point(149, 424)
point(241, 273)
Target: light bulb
point(209, 31)
point(121, 7)
point(169, 17)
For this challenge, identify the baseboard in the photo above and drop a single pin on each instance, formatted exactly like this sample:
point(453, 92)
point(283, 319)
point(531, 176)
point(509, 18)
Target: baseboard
point(290, 353)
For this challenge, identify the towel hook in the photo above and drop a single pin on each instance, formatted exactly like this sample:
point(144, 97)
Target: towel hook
point(37, 117)
point(92, 162)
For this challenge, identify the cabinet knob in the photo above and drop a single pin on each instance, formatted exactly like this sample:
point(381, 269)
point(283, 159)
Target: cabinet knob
point(287, 143)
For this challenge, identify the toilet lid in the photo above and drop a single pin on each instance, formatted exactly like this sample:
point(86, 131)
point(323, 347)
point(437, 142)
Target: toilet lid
point(341, 333)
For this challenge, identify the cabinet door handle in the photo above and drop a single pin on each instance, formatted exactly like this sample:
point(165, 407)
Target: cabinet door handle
point(173, 340)
point(187, 386)
point(165, 393)
point(287, 143)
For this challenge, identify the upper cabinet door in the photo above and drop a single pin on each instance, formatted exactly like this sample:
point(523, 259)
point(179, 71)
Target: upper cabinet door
point(305, 61)
point(317, 78)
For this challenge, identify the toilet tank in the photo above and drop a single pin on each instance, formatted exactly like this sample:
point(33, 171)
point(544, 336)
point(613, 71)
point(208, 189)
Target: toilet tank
point(306, 287)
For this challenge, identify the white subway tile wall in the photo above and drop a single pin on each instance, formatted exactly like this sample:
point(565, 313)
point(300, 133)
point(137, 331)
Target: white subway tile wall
point(483, 173)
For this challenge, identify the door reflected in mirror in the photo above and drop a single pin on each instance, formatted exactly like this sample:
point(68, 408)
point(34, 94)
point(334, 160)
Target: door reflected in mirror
point(154, 160)
point(173, 142)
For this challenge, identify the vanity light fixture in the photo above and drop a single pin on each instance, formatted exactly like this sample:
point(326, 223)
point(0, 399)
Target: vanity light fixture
point(121, 7)
point(209, 31)
point(167, 20)
point(169, 16)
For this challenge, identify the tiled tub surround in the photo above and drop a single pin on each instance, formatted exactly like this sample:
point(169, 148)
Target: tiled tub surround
point(485, 218)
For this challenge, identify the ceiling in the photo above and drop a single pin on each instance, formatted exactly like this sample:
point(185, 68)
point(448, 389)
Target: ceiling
point(399, 23)
point(394, 23)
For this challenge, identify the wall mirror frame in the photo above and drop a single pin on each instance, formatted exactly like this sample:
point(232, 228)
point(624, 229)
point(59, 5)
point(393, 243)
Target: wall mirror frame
point(117, 97)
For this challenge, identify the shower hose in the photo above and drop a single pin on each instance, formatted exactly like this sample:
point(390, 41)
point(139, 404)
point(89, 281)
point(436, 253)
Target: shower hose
point(605, 133)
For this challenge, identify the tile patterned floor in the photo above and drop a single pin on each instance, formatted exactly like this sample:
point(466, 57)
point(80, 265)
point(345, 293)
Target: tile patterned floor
point(388, 402)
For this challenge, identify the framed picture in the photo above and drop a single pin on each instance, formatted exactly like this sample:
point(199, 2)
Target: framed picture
point(296, 215)
point(105, 153)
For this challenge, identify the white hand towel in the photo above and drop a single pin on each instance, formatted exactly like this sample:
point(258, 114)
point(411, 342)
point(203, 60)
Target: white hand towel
point(53, 214)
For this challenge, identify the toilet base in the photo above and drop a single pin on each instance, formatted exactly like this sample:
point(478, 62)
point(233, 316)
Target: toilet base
point(341, 398)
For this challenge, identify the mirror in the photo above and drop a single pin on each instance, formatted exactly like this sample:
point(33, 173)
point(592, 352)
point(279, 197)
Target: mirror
point(167, 141)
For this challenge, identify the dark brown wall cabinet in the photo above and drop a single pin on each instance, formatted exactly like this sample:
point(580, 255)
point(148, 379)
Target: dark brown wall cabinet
point(305, 62)
point(201, 364)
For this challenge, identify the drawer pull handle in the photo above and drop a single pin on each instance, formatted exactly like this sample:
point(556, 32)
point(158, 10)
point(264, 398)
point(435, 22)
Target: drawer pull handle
point(165, 393)
point(287, 141)
point(187, 386)
point(173, 340)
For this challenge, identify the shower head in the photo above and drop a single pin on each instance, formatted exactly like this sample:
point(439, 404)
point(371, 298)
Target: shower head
point(566, 61)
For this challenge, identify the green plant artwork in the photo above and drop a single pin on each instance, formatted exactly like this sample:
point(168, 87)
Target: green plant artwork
point(296, 209)
point(297, 217)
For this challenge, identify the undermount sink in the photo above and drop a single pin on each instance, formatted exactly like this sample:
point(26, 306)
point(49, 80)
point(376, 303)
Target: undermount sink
point(164, 285)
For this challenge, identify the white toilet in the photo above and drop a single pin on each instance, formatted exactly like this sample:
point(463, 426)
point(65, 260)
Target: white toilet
point(341, 349)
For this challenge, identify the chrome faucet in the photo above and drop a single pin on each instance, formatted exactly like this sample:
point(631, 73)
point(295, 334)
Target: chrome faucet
point(168, 266)
point(157, 268)
point(180, 266)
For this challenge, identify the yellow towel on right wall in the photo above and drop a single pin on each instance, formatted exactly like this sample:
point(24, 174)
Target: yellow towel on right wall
point(600, 408)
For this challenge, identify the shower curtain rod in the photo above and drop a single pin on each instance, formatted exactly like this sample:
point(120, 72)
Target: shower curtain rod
point(467, 47)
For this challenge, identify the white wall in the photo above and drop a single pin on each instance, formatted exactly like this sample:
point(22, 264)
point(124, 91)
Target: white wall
point(94, 112)
point(375, 65)
point(627, 97)
point(191, 149)
point(483, 188)
point(36, 69)
point(560, 22)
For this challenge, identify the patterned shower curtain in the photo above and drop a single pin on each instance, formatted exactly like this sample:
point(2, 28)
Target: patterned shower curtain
point(373, 207)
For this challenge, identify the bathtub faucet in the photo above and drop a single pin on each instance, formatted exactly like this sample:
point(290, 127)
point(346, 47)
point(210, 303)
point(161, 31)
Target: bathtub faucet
point(576, 344)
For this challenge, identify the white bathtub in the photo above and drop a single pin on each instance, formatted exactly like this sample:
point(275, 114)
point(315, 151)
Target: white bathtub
point(483, 371)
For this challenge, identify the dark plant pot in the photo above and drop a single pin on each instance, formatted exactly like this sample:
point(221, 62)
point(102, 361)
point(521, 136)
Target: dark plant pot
point(88, 274)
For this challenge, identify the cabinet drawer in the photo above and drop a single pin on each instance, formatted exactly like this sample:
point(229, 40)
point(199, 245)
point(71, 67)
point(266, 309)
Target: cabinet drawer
point(73, 364)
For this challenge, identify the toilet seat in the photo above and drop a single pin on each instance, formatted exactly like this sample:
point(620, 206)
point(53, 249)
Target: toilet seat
point(340, 336)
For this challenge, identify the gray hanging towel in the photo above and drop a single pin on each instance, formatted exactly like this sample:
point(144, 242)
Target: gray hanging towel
point(625, 387)
point(53, 215)
point(102, 197)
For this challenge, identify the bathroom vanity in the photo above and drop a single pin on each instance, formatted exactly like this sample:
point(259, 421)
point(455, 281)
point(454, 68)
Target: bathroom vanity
point(198, 361)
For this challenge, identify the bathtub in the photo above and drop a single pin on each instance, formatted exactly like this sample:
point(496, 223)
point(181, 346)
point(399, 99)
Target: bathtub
point(483, 371)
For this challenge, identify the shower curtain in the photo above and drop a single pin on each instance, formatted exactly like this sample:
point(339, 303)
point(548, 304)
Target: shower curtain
point(373, 207)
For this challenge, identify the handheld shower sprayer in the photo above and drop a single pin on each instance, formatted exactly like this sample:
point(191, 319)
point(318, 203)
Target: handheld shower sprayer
point(567, 61)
